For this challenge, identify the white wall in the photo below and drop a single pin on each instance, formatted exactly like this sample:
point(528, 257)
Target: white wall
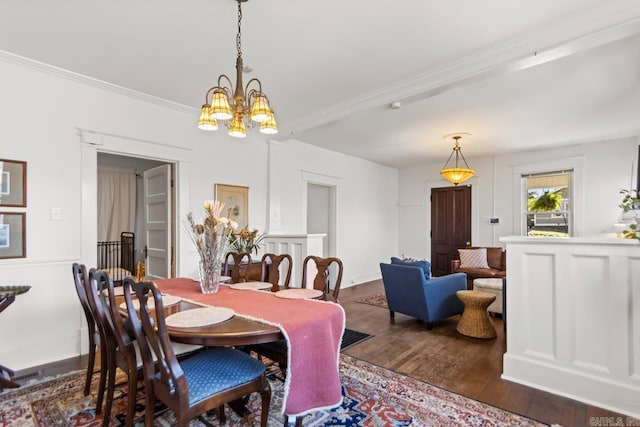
point(605, 167)
point(43, 109)
point(366, 204)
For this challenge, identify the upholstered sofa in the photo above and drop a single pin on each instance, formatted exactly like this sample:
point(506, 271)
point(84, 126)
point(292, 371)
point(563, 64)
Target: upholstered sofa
point(496, 263)
point(411, 290)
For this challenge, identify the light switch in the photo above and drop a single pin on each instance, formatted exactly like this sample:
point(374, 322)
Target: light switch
point(56, 214)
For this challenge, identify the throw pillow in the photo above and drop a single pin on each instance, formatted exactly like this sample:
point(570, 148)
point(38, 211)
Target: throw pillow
point(424, 265)
point(473, 258)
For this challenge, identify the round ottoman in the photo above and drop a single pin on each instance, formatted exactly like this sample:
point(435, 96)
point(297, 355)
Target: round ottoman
point(475, 321)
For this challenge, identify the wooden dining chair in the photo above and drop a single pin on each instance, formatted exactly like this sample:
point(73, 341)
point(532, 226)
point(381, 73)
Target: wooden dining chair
point(277, 350)
point(198, 384)
point(118, 347)
point(80, 278)
point(270, 270)
point(325, 280)
point(237, 270)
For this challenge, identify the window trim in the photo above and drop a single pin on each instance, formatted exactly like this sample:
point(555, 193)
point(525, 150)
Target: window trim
point(555, 165)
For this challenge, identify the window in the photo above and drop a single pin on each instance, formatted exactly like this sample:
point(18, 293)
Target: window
point(548, 204)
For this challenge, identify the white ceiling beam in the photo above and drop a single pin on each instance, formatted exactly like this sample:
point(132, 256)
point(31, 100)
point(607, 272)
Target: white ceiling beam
point(613, 21)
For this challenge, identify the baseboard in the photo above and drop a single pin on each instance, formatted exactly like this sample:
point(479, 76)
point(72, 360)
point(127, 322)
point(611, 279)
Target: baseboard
point(590, 389)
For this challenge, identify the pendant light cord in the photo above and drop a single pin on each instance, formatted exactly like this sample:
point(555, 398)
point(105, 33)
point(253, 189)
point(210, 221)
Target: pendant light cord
point(239, 36)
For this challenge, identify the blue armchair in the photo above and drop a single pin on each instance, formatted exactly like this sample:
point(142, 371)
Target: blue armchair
point(411, 290)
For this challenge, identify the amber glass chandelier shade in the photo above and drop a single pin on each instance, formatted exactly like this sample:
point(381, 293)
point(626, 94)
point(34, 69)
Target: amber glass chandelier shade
point(238, 106)
point(269, 126)
point(457, 175)
point(220, 108)
point(206, 122)
point(260, 110)
point(237, 128)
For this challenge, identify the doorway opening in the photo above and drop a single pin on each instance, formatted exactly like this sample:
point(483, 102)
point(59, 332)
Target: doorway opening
point(135, 196)
point(321, 215)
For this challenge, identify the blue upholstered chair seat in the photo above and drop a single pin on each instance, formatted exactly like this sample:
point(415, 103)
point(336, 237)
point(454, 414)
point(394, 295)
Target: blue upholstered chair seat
point(218, 369)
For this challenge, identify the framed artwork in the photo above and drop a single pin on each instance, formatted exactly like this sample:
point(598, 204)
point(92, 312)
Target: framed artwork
point(236, 202)
point(13, 183)
point(12, 235)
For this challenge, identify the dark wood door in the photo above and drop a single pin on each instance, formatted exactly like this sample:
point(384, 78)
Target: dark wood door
point(450, 225)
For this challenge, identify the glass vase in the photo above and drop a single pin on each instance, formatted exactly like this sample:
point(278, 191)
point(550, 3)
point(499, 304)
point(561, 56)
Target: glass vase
point(210, 275)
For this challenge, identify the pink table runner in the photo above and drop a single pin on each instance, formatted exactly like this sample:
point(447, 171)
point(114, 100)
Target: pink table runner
point(312, 328)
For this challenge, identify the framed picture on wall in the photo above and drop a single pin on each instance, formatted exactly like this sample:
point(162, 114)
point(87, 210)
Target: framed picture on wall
point(12, 235)
point(236, 202)
point(13, 183)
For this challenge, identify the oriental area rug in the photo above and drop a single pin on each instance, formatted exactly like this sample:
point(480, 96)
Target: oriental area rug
point(372, 396)
point(378, 300)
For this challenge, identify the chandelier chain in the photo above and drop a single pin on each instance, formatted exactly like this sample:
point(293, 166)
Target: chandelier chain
point(239, 36)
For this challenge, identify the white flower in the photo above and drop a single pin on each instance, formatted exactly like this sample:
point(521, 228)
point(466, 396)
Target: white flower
point(223, 220)
point(233, 224)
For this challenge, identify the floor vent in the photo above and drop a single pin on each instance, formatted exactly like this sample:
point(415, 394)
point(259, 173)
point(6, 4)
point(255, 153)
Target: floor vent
point(27, 375)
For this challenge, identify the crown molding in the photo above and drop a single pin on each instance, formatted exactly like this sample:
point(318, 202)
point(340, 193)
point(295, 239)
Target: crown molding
point(607, 23)
point(92, 82)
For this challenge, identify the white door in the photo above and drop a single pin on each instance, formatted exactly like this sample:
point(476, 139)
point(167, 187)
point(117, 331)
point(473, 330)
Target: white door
point(157, 218)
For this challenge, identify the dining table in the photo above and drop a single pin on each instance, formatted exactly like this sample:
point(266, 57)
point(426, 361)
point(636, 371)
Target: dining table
point(313, 330)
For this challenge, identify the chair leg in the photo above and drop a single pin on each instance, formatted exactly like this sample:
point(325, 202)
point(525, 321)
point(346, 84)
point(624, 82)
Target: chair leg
point(298, 422)
point(132, 383)
point(103, 380)
point(150, 400)
point(265, 393)
point(90, 368)
point(111, 385)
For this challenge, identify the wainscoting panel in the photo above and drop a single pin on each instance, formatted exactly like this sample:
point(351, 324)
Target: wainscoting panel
point(634, 328)
point(573, 310)
point(299, 246)
point(592, 294)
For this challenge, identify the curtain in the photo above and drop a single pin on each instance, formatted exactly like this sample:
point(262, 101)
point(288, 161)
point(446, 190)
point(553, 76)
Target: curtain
point(116, 202)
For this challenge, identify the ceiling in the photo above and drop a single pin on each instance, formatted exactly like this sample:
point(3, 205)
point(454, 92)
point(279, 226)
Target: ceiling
point(516, 75)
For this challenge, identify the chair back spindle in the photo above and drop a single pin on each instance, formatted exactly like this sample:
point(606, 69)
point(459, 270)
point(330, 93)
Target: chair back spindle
point(270, 270)
point(238, 270)
point(325, 280)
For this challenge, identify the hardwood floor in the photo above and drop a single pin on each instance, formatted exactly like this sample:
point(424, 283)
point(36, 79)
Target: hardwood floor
point(441, 357)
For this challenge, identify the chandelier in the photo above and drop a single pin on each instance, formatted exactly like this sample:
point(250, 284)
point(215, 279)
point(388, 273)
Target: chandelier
point(244, 109)
point(456, 174)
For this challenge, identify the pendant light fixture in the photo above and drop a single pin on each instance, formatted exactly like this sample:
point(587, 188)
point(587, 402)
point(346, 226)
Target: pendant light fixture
point(456, 173)
point(242, 109)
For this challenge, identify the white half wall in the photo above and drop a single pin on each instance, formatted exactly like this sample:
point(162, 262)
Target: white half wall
point(572, 319)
